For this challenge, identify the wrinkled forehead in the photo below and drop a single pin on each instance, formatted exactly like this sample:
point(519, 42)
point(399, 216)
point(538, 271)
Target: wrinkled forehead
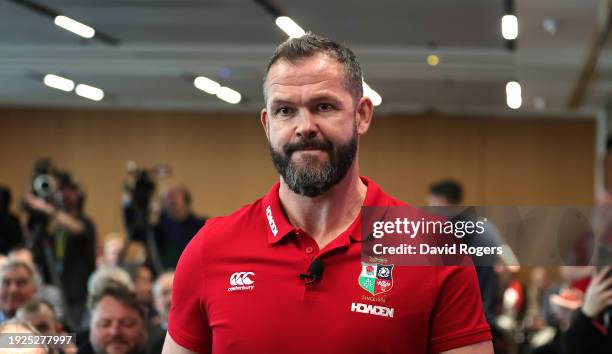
point(310, 72)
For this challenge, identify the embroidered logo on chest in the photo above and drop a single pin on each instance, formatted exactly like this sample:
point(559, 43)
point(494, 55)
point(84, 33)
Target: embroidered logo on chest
point(376, 278)
point(241, 281)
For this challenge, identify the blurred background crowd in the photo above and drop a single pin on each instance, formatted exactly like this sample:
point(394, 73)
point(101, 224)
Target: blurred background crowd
point(59, 276)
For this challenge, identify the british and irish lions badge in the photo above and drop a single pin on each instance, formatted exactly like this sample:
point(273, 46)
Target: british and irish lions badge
point(376, 278)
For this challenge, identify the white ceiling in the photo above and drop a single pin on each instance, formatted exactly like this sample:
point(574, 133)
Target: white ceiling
point(164, 43)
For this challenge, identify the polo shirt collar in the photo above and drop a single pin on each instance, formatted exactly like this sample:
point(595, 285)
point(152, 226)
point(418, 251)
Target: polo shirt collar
point(279, 227)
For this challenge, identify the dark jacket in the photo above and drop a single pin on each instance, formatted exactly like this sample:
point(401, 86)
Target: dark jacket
point(586, 337)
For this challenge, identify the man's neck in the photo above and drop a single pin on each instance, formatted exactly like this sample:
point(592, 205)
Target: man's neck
point(326, 216)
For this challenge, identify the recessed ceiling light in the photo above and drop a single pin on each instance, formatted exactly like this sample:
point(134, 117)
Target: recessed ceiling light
point(89, 92)
point(207, 85)
point(514, 97)
point(289, 26)
point(228, 95)
point(58, 82)
point(75, 26)
point(509, 25)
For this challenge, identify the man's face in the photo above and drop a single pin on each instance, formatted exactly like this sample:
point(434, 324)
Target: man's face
point(164, 298)
point(176, 205)
point(43, 320)
point(70, 197)
point(116, 328)
point(144, 284)
point(438, 201)
point(16, 288)
point(16, 328)
point(312, 123)
point(112, 250)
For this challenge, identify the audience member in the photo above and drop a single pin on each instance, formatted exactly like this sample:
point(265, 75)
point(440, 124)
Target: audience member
point(176, 225)
point(448, 194)
point(48, 292)
point(590, 331)
point(73, 245)
point(540, 325)
point(41, 314)
point(102, 276)
point(17, 286)
point(22, 327)
point(118, 322)
point(142, 277)
point(162, 297)
point(113, 251)
point(11, 233)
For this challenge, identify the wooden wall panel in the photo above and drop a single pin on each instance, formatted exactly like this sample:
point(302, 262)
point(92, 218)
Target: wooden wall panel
point(223, 158)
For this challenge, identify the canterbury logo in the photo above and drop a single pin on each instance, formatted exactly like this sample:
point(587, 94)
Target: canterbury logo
point(271, 221)
point(241, 278)
point(240, 281)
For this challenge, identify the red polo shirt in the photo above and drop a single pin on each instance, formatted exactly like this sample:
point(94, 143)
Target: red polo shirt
point(237, 290)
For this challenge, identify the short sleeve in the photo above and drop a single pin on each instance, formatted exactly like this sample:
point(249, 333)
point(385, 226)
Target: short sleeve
point(458, 319)
point(187, 322)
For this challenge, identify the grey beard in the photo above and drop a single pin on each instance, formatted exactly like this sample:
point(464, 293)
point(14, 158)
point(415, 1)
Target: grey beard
point(312, 180)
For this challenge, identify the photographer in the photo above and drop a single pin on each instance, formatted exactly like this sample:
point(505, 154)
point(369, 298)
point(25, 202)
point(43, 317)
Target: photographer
point(589, 332)
point(67, 245)
point(138, 209)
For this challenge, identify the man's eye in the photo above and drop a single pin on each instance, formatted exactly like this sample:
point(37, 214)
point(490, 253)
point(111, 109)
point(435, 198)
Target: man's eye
point(324, 107)
point(128, 323)
point(284, 111)
point(103, 323)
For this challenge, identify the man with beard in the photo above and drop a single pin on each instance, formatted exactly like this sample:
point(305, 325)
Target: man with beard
point(118, 323)
point(281, 275)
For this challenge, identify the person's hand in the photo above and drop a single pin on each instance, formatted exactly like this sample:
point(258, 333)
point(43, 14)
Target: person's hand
point(564, 305)
point(599, 293)
point(38, 204)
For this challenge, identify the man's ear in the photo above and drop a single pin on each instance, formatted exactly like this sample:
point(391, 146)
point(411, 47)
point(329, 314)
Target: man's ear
point(365, 110)
point(264, 122)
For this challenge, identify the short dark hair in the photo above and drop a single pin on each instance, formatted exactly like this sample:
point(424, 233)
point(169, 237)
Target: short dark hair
point(449, 189)
point(35, 305)
point(121, 294)
point(294, 49)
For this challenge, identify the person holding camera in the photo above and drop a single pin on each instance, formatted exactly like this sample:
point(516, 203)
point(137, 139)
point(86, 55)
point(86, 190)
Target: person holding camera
point(67, 247)
point(589, 332)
